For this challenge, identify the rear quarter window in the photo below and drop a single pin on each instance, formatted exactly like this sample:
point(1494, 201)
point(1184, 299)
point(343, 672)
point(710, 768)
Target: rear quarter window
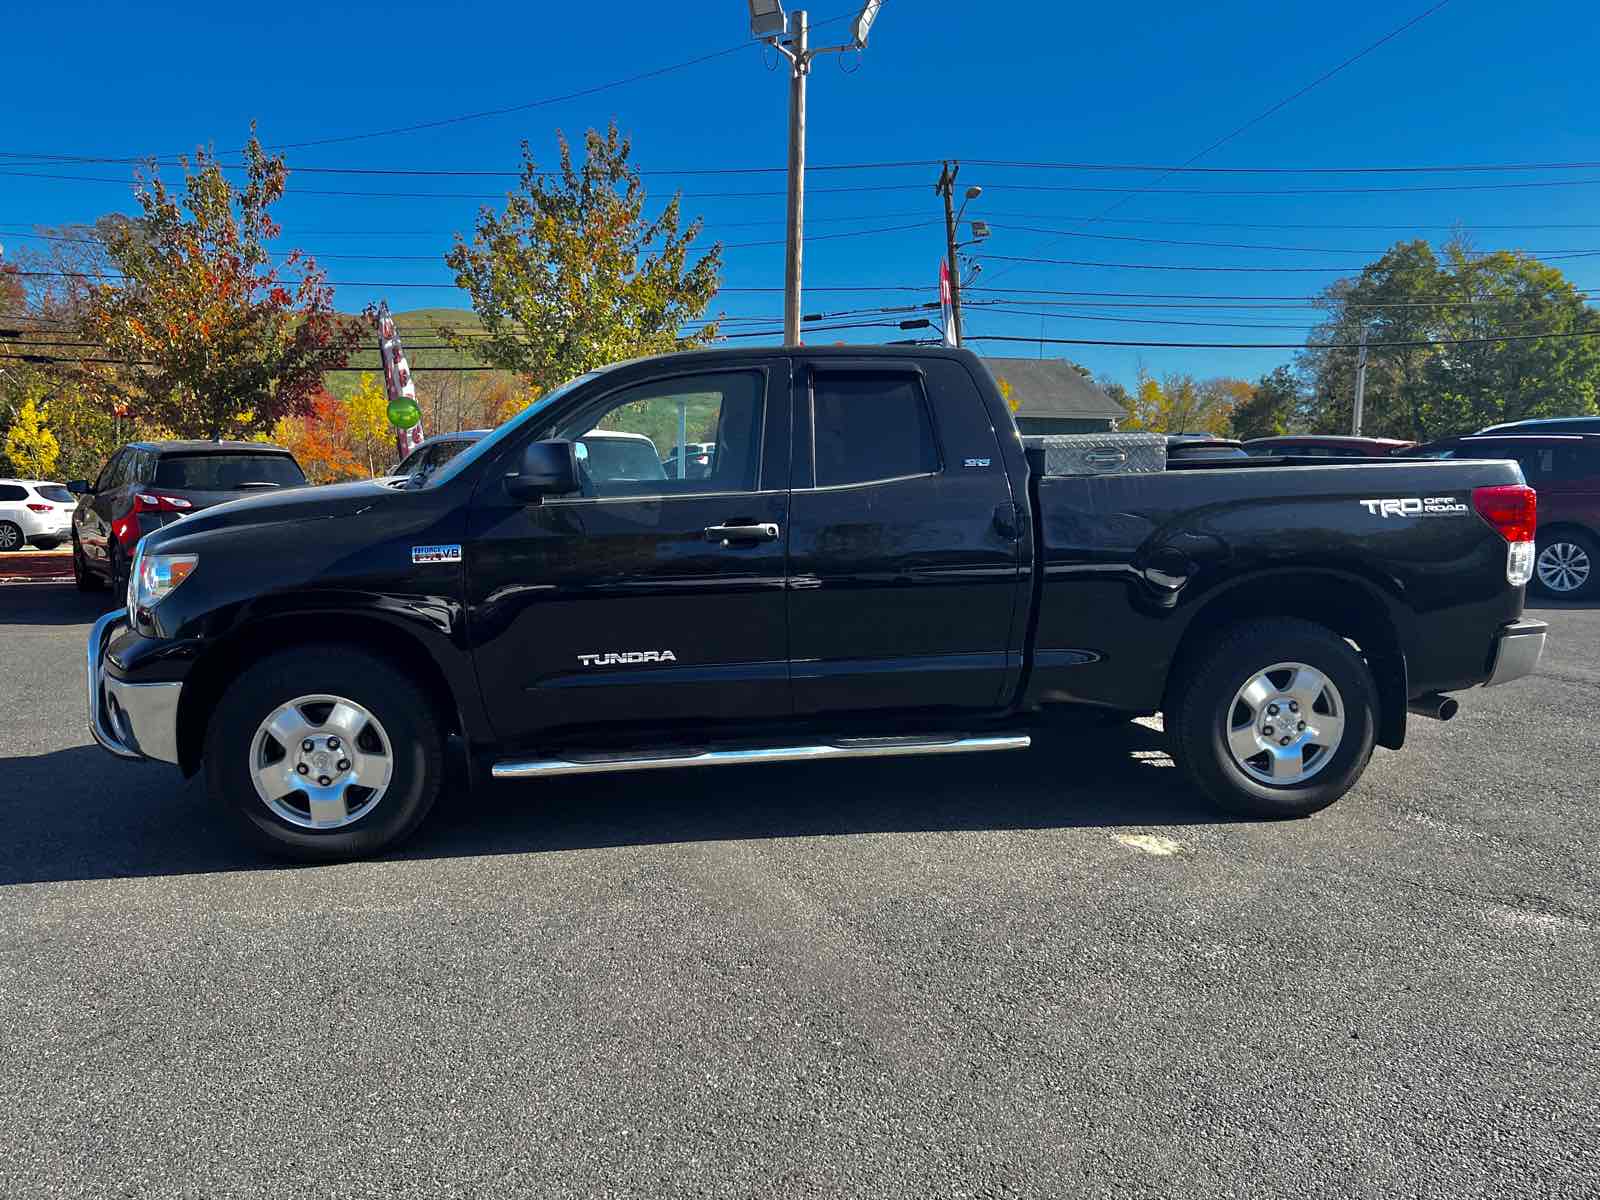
point(55, 493)
point(870, 426)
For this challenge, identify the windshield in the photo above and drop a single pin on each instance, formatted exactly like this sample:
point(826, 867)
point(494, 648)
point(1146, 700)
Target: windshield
point(489, 445)
point(55, 492)
point(226, 472)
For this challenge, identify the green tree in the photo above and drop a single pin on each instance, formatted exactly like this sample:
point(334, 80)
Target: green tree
point(1436, 366)
point(1271, 404)
point(214, 337)
point(572, 275)
point(30, 445)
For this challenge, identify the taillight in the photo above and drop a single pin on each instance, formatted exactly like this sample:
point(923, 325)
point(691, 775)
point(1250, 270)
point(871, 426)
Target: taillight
point(148, 502)
point(1513, 510)
point(44, 508)
point(126, 527)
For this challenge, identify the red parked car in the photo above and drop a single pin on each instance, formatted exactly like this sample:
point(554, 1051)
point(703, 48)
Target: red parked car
point(1318, 445)
point(1565, 471)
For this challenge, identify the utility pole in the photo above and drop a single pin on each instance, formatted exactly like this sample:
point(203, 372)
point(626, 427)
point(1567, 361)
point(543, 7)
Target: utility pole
point(790, 36)
point(1361, 385)
point(800, 61)
point(946, 187)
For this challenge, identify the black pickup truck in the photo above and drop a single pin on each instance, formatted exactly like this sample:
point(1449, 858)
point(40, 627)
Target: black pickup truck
point(873, 563)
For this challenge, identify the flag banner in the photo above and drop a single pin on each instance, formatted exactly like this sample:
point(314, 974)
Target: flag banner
point(404, 414)
point(946, 308)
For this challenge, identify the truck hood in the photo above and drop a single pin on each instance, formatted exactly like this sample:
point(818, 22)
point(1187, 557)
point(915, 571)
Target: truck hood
point(293, 505)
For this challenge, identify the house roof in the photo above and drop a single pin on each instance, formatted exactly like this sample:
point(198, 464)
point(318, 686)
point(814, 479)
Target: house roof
point(1053, 387)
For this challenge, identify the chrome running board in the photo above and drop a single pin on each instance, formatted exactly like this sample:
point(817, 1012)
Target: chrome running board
point(888, 747)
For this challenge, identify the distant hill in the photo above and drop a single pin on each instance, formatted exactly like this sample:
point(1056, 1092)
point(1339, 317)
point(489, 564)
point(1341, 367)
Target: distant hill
point(418, 327)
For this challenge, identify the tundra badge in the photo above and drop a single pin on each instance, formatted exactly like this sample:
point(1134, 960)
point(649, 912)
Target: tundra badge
point(627, 657)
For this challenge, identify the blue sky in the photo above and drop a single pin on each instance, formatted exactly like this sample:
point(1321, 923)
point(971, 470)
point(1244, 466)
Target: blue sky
point(1474, 83)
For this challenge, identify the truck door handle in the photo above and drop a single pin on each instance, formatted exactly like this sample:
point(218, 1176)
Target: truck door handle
point(728, 534)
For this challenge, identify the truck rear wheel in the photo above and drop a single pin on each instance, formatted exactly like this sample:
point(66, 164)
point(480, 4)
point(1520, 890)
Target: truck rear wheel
point(1275, 719)
point(324, 753)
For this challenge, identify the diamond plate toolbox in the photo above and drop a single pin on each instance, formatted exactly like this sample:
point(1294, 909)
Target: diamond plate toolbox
point(1099, 453)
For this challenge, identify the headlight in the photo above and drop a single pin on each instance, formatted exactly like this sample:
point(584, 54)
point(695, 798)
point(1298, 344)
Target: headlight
point(155, 575)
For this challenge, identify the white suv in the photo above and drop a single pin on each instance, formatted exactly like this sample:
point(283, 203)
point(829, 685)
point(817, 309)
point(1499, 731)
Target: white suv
point(34, 511)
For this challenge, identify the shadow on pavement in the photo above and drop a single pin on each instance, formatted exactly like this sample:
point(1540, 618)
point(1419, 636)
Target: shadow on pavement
point(80, 814)
point(51, 604)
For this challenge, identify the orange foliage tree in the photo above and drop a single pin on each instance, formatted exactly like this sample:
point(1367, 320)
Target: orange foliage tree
point(320, 440)
point(216, 338)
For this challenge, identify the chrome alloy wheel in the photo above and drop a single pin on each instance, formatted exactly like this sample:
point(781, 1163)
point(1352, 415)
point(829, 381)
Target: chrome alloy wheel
point(321, 762)
point(1563, 566)
point(1285, 724)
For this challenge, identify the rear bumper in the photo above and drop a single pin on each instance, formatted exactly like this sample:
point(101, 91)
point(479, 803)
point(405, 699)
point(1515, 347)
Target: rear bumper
point(132, 720)
point(1517, 648)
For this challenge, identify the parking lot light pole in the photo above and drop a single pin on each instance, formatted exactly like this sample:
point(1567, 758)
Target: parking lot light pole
point(768, 22)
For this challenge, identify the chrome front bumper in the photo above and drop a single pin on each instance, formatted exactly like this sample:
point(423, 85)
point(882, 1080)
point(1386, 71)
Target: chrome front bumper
point(1517, 648)
point(132, 720)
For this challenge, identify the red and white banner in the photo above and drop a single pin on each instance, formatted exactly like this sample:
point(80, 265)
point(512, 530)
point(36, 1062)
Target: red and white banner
point(947, 319)
point(397, 381)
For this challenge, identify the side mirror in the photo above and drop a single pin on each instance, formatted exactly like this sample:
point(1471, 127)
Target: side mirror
point(78, 487)
point(546, 469)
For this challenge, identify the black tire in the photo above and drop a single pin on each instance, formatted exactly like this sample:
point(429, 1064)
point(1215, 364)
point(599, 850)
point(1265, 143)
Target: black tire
point(46, 543)
point(1579, 556)
point(119, 574)
point(1201, 707)
point(406, 715)
point(82, 574)
point(11, 537)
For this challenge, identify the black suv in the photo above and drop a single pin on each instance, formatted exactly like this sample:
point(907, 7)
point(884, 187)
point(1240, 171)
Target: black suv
point(146, 485)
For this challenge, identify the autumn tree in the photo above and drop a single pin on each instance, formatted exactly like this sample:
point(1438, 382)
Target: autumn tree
point(369, 436)
point(572, 274)
point(320, 440)
point(1179, 404)
point(30, 445)
point(216, 338)
point(1269, 407)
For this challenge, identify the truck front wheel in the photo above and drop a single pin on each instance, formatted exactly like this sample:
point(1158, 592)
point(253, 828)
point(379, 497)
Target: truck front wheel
point(1275, 719)
point(324, 753)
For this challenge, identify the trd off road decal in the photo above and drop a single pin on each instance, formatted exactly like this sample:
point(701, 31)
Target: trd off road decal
point(1415, 506)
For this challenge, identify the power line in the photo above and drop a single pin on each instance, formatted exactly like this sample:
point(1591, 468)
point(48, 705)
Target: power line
point(1394, 345)
point(1002, 186)
point(35, 158)
point(349, 192)
point(1453, 226)
point(339, 257)
point(1285, 102)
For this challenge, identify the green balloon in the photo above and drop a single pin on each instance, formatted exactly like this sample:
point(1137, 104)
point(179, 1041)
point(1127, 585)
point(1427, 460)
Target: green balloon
point(404, 413)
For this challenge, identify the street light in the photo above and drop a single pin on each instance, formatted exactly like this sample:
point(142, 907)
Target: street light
point(863, 22)
point(767, 19)
point(769, 23)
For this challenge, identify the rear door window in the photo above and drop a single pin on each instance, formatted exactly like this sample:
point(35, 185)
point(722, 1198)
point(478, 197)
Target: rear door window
point(12, 491)
point(227, 472)
point(870, 427)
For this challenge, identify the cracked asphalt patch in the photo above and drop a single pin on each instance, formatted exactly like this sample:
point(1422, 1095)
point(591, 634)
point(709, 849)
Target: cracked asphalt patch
point(980, 977)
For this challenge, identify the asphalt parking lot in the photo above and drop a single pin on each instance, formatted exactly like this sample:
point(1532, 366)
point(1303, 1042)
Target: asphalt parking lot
point(1050, 973)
